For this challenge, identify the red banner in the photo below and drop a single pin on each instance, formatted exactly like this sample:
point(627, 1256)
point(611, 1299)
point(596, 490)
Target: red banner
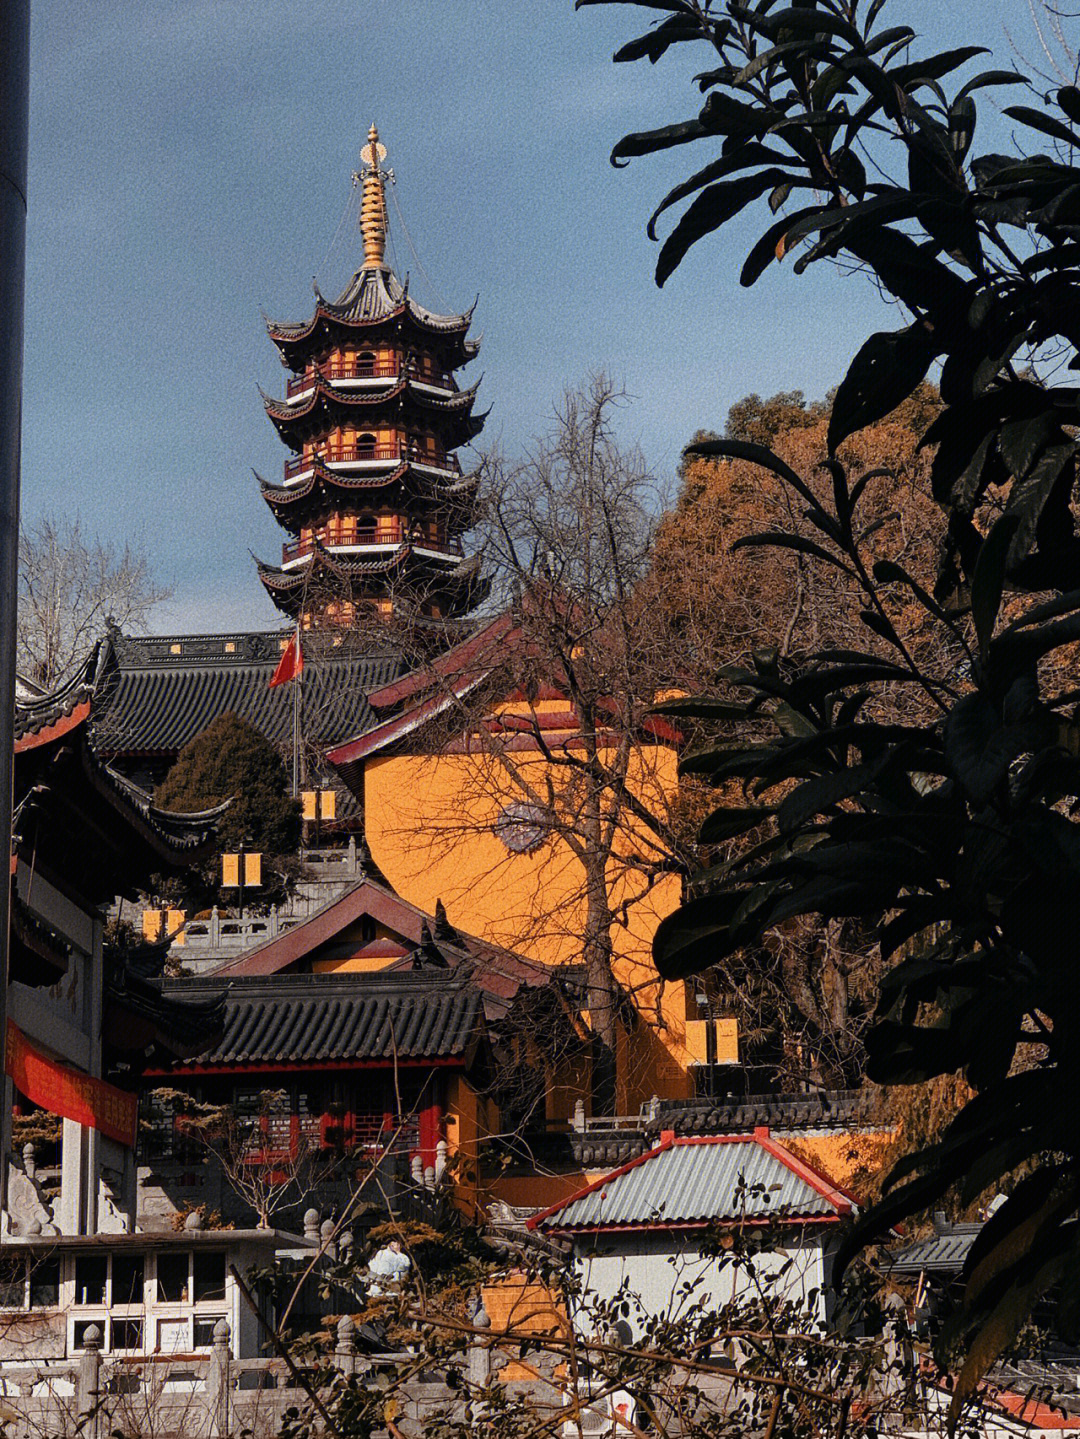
point(66, 1092)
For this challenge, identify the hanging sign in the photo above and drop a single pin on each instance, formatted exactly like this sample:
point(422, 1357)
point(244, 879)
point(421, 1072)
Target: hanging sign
point(74, 1096)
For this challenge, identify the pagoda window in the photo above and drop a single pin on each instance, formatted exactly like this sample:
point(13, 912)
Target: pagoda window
point(365, 364)
point(365, 528)
point(365, 446)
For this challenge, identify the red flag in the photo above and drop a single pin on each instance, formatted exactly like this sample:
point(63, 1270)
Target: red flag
point(291, 663)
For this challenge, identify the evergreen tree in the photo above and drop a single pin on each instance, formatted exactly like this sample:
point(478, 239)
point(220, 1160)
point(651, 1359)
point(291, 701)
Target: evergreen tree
point(231, 759)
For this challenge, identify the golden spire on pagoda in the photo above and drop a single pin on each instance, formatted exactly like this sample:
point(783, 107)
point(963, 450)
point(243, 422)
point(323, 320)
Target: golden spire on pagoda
point(373, 202)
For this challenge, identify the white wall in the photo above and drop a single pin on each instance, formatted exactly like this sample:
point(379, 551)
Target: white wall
point(670, 1276)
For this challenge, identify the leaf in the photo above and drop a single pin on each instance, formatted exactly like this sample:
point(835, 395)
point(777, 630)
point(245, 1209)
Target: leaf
point(771, 246)
point(884, 373)
point(656, 42)
point(723, 824)
point(1036, 120)
point(695, 936)
point(935, 67)
point(646, 142)
point(1068, 97)
point(991, 77)
point(777, 539)
point(702, 707)
point(769, 57)
point(823, 792)
point(988, 582)
point(809, 21)
point(749, 154)
point(713, 207)
point(756, 455)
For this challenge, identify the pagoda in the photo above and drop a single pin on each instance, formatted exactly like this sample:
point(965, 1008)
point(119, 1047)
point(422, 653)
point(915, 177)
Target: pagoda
point(373, 496)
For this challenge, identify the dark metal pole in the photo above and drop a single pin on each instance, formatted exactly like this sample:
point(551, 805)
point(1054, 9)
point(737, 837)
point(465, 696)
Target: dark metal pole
point(14, 117)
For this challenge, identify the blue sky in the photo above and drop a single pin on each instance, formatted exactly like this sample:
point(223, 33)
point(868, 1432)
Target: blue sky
point(190, 165)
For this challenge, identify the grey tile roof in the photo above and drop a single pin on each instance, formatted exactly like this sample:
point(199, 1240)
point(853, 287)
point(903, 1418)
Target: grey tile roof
point(943, 1252)
point(161, 691)
point(312, 1019)
point(827, 1109)
point(701, 1181)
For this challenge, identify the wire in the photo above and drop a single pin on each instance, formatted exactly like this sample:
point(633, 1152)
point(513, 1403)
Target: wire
point(419, 265)
point(348, 210)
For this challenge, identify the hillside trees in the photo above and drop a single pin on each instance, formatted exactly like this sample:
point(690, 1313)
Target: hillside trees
point(804, 998)
point(954, 833)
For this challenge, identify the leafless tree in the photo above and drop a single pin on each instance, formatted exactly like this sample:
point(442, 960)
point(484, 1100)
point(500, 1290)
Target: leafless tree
point(70, 585)
point(566, 534)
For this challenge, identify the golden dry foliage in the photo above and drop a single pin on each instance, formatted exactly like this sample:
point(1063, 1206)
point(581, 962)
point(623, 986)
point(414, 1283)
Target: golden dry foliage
point(803, 1000)
point(722, 605)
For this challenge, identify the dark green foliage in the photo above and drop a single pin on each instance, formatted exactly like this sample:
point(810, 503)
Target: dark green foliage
point(955, 833)
point(231, 759)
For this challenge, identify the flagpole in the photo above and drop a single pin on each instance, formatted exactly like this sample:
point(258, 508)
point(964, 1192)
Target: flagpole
point(296, 730)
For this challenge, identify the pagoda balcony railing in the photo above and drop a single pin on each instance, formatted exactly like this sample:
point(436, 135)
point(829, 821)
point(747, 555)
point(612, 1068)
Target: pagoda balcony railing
point(361, 454)
point(354, 539)
point(391, 369)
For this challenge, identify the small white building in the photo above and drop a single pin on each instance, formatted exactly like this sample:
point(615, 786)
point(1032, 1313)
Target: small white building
point(641, 1230)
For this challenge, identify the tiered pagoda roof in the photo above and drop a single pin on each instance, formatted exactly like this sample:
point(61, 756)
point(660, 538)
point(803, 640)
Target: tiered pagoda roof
point(373, 491)
point(373, 296)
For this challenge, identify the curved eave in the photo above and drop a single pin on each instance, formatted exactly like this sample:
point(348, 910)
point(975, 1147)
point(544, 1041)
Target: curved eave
point(322, 487)
point(325, 396)
point(286, 335)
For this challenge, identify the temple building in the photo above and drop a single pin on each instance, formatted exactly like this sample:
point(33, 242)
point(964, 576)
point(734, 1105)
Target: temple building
point(373, 496)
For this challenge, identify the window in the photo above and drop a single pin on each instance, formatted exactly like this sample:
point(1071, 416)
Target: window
point(128, 1272)
point(13, 1283)
point(209, 1277)
point(365, 445)
point(91, 1273)
point(44, 1283)
point(127, 1334)
point(204, 1330)
point(78, 1333)
point(172, 1278)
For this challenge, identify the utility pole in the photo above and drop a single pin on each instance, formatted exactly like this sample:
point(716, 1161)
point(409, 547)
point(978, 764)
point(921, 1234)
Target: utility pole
point(14, 122)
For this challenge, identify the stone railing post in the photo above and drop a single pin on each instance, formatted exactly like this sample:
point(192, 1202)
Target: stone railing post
point(479, 1365)
point(219, 1381)
point(345, 1349)
point(327, 1238)
point(578, 1122)
point(88, 1384)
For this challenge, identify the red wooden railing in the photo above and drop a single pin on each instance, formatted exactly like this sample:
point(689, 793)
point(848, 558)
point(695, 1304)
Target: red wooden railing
point(383, 369)
point(345, 454)
point(391, 535)
point(281, 1135)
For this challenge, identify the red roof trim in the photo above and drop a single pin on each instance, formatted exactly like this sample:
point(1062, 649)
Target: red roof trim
point(54, 731)
point(447, 664)
point(760, 1137)
point(309, 1066)
point(842, 1198)
point(365, 897)
point(675, 1225)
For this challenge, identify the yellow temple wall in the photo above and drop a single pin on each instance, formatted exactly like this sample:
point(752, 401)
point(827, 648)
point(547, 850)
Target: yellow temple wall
point(430, 825)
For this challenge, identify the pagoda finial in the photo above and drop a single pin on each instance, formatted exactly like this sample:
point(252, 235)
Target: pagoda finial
point(373, 202)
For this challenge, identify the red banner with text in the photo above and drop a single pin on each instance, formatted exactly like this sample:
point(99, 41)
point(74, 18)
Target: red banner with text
point(66, 1092)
